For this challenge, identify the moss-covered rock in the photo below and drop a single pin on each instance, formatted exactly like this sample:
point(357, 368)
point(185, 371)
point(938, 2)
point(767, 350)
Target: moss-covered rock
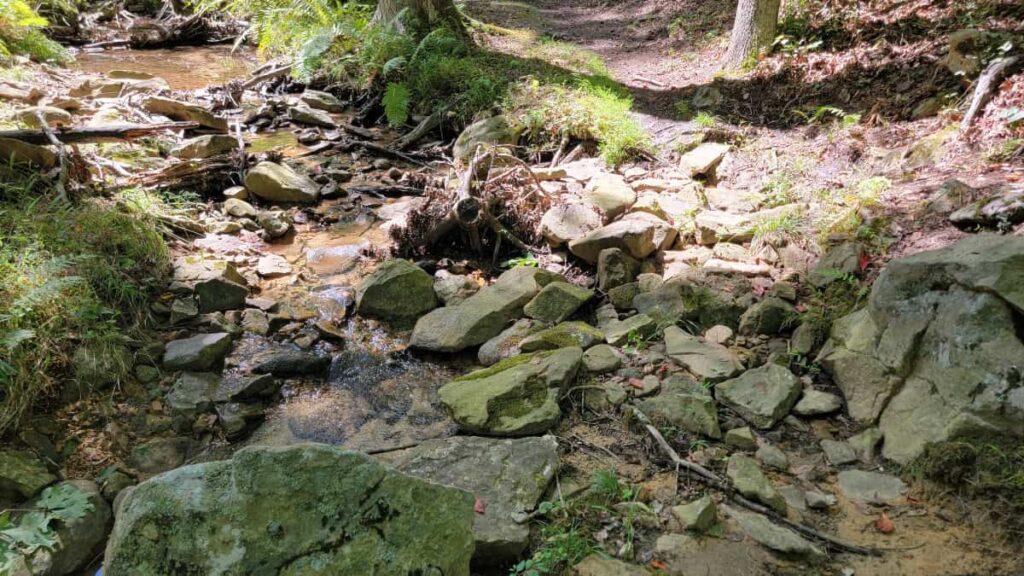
point(397, 291)
point(297, 510)
point(516, 397)
point(22, 475)
point(557, 301)
point(564, 335)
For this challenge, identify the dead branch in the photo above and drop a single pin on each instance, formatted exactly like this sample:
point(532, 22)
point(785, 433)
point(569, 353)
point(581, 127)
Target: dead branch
point(988, 82)
point(421, 129)
point(111, 133)
point(712, 480)
point(275, 73)
point(62, 156)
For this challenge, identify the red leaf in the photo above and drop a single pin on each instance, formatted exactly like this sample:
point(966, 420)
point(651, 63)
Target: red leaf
point(636, 383)
point(863, 261)
point(479, 507)
point(759, 290)
point(884, 524)
point(801, 308)
point(658, 565)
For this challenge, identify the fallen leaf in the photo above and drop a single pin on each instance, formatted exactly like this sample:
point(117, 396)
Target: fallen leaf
point(658, 565)
point(884, 524)
point(801, 308)
point(636, 383)
point(479, 506)
point(863, 261)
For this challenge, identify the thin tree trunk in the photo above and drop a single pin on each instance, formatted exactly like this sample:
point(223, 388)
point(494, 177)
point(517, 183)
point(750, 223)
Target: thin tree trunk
point(754, 30)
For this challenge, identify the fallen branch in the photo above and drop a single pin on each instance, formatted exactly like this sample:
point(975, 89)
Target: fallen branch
point(275, 73)
point(712, 480)
point(988, 82)
point(113, 133)
point(421, 129)
point(386, 190)
point(62, 177)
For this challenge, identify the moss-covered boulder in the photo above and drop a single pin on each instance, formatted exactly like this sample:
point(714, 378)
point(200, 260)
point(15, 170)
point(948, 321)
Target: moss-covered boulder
point(564, 335)
point(516, 397)
point(397, 291)
point(22, 476)
point(298, 510)
point(557, 301)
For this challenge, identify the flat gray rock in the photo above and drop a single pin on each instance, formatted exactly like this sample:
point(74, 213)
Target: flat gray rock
point(864, 486)
point(706, 360)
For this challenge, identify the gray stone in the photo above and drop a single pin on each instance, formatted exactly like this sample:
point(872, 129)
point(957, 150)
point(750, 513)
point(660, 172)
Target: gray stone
point(838, 453)
point(795, 498)
point(272, 266)
point(76, 540)
point(804, 339)
point(453, 289)
point(195, 268)
point(762, 396)
point(508, 475)
point(639, 234)
point(747, 478)
point(216, 295)
point(702, 160)
point(599, 565)
point(197, 353)
point(929, 358)
point(1000, 210)
point(22, 476)
point(718, 334)
point(557, 301)
point(289, 360)
point(18, 152)
point(273, 223)
point(819, 500)
point(238, 388)
point(742, 438)
point(705, 360)
point(301, 509)
point(239, 208)
point(683, 404)
point(322, 101)
point(302, 114)
point(842, 259)
point(601, 359)
point(686, 554)
point(516, 397)
point(603, 396)
point(568, 222)
point(769, 316)
point(279, 183)
point(397, 291)
point(817, 403)
point(866, 443)
point(255, 321)
point(617, 332)
point(772, 457)
point(184, 111)
point(863, 486)
point(615, 268)
point(483, 315)
point(158, 455)
point(564, 335)
point(51, 116)
point(205, 146)
point(621, 297)
point(193, 393)
point(609, 193)
point(699, 515)
point(489, 132)
point(775, 537)
point(506, 344)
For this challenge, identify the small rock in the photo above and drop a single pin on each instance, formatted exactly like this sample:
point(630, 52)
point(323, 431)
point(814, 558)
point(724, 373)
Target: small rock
point(772, 457)
point(863, 486)
point(610, 193)
point(742, 438)
point(158, 455)
point(838, 453)
point(322, 101)
point(718, 334)
point(205, 146)
point(193, 393)
point(198, 353)
point(494, 131)
point(564, 335)
point(568, 222)
point(640, 234)
point(284, 361)
point(749, 481)
point(22, 475)
point(239, 208)
point(506, 344)
point(769, 317)
point(777, 538)
point(601, 359)
point(698, 516)
point(615, 268)
point(600, 565)
point(702, 160)
point(397, 291)
point(184, 111)
point(762, 396)
point(236, 192)
point(557, 301)
point(255, 321)
point(819, 500)
point(51, 115)
point(817, 403)
point(279, 183)
point(272, 266)
point(453, 289)
point(303, 114)
point(706, 360)
point(866, 443)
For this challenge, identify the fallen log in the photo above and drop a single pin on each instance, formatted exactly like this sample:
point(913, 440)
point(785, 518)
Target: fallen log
point(263, 77)
point(987, 85)
point(111, 133)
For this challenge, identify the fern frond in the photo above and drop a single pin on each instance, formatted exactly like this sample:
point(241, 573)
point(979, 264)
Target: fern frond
point(396, 103)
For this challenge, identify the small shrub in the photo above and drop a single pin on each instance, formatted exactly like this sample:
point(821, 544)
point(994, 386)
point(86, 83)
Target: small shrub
point(21, 34)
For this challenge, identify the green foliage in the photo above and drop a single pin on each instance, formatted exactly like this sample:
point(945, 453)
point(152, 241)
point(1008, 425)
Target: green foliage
point(21, 34)
point(844, 295)
point(825, 114)
point(606, 488)
point(33, 530)
point(396, 104)
point(562, 547)
point(683, 109)
point(529, 260)
point(705, 120)
point(70, 277)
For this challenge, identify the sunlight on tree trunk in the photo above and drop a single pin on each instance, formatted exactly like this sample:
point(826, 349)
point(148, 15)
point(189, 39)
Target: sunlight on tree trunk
point(753, 31)
point(426, 14)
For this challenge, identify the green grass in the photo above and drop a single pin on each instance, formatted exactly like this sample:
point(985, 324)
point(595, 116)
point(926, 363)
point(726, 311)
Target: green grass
point(73, 280)
point(21, 35)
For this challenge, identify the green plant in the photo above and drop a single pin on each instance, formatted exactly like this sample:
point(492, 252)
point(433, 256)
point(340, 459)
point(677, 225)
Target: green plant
point(824, 114)
point(21, 33)
point(30, 531)
point(705, 120)
point(683, 109)
point(562, 547)
point(529, 260)
point(396, 104)
point(775, 230)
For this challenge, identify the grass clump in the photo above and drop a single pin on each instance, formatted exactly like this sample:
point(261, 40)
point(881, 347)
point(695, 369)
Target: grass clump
point(988, 471)
point(72, 281)
point(21, 35)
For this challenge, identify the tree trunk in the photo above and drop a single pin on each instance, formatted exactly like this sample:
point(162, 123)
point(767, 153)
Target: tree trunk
point(425, 15)
point(753, 30)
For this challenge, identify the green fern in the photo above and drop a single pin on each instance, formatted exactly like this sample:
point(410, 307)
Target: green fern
point(396, 104)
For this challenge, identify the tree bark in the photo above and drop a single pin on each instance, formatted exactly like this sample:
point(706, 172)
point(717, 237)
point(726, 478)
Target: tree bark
point(425, 15)
point(753, 30)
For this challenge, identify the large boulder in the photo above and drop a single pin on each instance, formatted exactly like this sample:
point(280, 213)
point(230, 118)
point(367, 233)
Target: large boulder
point(398, 291)
point(639, 234)
point(934, 354)
point(557, 301)
point(200, 352)
point(186, 112)
point(508, 475)
point(483, 315)
point(302, 509)
point(762, 396)
point(515, 397)
point(279, 183)
point(205, 146)
point(568, 222)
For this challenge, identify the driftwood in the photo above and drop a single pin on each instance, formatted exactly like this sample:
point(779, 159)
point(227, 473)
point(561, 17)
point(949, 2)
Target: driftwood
point(421, 129)
point(712, 480)
point(212, 174)
point(386, 190)
point(987, 84)
point(112, 133)
point(268, 75)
